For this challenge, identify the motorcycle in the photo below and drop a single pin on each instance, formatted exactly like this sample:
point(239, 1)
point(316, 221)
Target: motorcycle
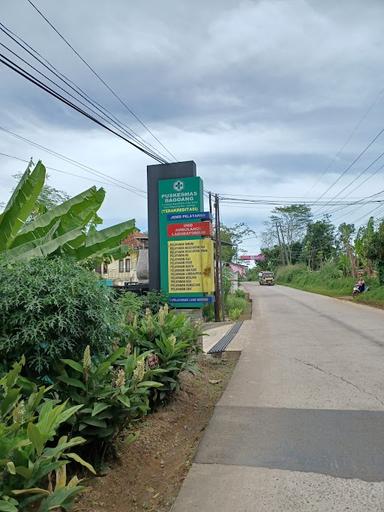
point(359, 288)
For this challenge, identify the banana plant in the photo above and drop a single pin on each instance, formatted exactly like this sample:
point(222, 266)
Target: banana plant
point(63, 229)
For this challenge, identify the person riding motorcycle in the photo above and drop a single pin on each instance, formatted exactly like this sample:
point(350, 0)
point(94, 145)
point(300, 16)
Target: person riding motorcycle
point(359, 287)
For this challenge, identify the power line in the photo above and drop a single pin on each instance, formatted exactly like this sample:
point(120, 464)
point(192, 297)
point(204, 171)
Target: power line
point(68, 173)
point(348, 139)
point(356, 159)
point(369, 214)
point(356, 178)
point(28, 76)
point(72, 85)
point(76, 163)
point(95, 73)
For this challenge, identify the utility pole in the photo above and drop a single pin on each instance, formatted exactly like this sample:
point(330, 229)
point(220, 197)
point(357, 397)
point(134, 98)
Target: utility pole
point(220, 261)
point(217, 263)
point(210, 202)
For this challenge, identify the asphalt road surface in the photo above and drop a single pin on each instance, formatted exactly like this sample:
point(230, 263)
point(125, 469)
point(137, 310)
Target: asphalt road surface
point(300, 426)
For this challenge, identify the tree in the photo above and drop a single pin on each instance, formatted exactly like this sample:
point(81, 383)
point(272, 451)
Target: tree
point(345, 236)
point(375, 250)
point(318, 244)
point(231, 239)
point(286, 226)
point(363, 244)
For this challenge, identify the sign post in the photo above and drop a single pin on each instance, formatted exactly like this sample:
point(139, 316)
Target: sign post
point(181, 261)
point(186, 248)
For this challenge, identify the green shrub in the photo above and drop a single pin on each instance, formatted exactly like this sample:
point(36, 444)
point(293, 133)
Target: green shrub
point(235, 306)
point(172, 338)
point(131, 305)
point(235, 313)
point(111, 393)
point(328, 280)
point(154, 301)
point(33, 459)
point(209, 312)
point(52, 309)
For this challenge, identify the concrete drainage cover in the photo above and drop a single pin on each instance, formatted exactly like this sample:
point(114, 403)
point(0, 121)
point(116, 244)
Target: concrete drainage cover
point(222, 344)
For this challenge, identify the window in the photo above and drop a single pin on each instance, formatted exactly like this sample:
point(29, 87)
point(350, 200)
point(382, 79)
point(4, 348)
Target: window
point(121, 265)
point(105, 268)
point(127, 265)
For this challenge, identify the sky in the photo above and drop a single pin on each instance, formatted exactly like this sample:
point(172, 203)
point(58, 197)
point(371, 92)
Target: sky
point(270, 98)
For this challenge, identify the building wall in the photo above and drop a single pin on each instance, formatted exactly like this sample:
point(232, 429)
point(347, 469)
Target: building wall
point(121, 271)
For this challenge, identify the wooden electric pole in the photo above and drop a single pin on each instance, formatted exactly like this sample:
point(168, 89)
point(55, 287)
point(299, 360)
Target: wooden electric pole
point(220, 261)
point(219, 306)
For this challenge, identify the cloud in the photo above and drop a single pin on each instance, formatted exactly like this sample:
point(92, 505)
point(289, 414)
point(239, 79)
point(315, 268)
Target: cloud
point(261, 94)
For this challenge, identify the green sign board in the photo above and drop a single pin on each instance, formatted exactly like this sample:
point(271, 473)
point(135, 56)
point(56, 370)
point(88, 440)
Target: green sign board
point(176, 196)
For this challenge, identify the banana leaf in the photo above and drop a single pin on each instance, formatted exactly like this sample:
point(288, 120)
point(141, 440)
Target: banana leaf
point(101, 242)
point(21, 249)
point(20, 205)
point(115, 253)
point(75, 213)
point(42, 247)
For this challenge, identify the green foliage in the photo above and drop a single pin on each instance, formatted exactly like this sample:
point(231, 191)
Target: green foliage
point(20, 205)
point(286, 230)
point(375, 251)
point(48, 197)
point(130, 305)
point(111, 392)
point(318, 244)
point(33, 466)
point(61, 229)
point(209, 312)
point(154, 301)
point(231, 238)
point(226, 281)
point(52, 309)
point(172, 338)
point(235, 305)
point(329, 280)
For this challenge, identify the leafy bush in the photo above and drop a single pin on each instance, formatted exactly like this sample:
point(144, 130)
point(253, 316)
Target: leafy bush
point(52, 309)
point(111, 392)
point(33, 466)
point(172, 338)
point(240, 293)
point(131, 305)
point(154, 301)
point(209, 312)
point(235, 313)
point(328, 280)
point(235, 305)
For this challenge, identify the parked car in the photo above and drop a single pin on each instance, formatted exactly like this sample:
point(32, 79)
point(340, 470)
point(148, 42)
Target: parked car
point(266, 278)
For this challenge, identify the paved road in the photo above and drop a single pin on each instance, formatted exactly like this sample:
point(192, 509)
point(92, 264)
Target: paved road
point(300, 426)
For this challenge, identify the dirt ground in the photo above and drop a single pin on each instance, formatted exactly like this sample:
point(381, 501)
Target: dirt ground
point(150, 471)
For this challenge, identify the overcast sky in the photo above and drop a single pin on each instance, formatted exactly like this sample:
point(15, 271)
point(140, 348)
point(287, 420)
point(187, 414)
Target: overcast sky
point(261, 94)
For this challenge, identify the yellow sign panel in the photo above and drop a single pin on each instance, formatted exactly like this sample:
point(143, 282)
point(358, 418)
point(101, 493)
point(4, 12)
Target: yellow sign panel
point(190, 266)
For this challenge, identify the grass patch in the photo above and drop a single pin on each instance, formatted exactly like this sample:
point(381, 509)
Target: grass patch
point(329, 281)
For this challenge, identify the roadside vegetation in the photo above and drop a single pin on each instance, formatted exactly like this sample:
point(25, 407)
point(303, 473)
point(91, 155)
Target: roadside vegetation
point(80, 366)
point(236, 303)
point(316, 256)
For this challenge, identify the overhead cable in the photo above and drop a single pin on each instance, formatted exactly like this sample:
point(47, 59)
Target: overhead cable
point(28, 76)
point(98, 76)
point(43, 61)
point(76, 163)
